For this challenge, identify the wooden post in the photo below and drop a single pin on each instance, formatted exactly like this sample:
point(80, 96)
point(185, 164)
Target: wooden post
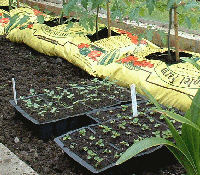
point(168, 37)
point(108, 18)
point(97, 25)
point(10, 5)
point(18, 4)
point(176, 33)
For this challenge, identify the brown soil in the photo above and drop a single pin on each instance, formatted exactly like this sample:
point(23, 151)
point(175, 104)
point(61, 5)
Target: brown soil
point(101, 34)
point(165, 58)
point(34, 70)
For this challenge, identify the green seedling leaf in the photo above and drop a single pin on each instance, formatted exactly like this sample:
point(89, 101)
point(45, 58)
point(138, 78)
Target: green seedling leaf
point(67, 137)
point(35, 105)
point(53, 110)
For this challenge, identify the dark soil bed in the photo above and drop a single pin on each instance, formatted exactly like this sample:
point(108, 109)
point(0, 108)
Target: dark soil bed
point(34, 70)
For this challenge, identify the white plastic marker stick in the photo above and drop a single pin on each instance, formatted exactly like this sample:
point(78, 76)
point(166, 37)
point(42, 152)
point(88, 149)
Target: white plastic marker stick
point(14, 90)
point(134, 101)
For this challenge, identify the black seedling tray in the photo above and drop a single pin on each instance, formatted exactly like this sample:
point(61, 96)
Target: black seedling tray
point(148, 124)
point(79, 159)
point(111, 112)
point(46, 130)
point(69, 120)
point(87, 165)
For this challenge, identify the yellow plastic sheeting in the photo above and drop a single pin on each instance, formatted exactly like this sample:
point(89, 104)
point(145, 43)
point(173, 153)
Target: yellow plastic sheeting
point(24, 17)
point(32, 13)
point(170, 85)
point(121, 58)
point(4, 2)
point(4, 21)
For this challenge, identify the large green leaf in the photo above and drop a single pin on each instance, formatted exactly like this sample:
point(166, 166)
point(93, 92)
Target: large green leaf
point(96, 3)
point(180, 142)
point(191, 135)
point(170, 3)
point(155, 141)
point(188, 165)
point(84, 3)
point(188, 22)
point(140, 146)
point(195, 108)
point(179, 118)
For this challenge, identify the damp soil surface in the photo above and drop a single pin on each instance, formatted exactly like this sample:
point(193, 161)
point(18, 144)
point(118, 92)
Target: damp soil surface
point(101, 34)
point(34, 70)
point(57, 21)
point(168, 58)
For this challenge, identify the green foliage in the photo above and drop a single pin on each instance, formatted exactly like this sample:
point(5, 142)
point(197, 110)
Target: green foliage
point(84, 10)
point(186, 147)
point(150, 4)
point(188, 13)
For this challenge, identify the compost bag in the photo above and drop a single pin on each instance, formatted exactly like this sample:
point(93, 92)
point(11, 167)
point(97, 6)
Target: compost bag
point(24, 17)
point(4, 2)
point(122, 58)
point(4, 21)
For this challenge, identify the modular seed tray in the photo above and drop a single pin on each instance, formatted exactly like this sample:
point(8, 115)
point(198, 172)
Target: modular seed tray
point(54, 127)
point(98, 146)
point(62, 109)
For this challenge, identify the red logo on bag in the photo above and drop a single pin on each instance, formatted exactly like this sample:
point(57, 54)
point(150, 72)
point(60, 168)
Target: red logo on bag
point(30, 26)
point(4, 21)
point(134, 38)
point(82, 45)
point(135, 62)
point(38, 13)
point(94, 54)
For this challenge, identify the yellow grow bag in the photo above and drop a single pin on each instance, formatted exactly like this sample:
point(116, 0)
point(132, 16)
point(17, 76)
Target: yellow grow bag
point(4, 2)
point(121, 58)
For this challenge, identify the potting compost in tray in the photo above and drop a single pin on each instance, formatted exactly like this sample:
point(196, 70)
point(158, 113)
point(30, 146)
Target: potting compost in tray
point(65, 108)
point(98, 146)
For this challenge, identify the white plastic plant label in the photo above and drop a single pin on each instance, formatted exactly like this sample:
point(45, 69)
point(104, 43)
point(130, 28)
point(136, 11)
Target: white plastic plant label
point(134, 100)
point(14, 90)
